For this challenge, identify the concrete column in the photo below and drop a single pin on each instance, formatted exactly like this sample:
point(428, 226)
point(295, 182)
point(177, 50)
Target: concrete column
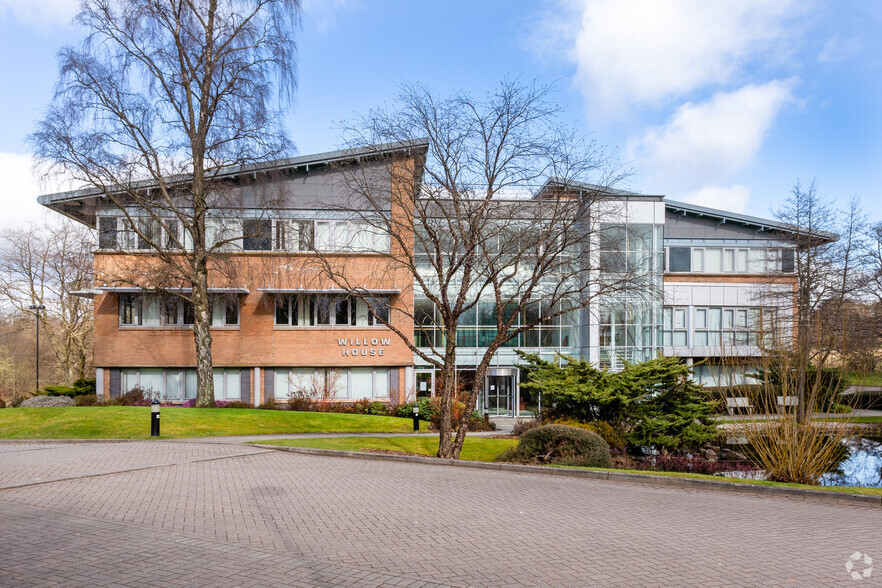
point(99, 383)
point(257, 386)
point(409, 385)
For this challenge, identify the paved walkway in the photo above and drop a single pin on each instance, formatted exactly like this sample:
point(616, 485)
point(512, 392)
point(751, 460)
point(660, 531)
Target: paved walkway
point(190, 514)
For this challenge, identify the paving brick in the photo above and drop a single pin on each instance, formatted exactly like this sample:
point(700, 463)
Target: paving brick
point(199, 513)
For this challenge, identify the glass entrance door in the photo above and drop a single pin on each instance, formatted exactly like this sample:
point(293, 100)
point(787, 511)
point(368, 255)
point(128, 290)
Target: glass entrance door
point(499, 392)
point(425, 384)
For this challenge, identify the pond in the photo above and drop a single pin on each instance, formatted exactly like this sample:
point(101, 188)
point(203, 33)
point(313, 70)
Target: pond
point(862, 467)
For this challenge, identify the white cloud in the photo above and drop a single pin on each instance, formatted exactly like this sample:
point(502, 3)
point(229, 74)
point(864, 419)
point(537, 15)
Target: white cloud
point(322, 15)
point(837, 49)
point(19, 192)
point(646, 52)
point(41, 13)
point(708, 142)
point(734, 198)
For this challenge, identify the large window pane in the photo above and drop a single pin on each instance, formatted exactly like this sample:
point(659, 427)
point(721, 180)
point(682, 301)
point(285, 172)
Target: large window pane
point(151, 382)
point(282, 390)
point(362, 382)
point(341, 313)
point(189, 384)
point(151, 311)
point(698, 260)
point(381, 383)
point(728, 260)
point(257, 234)
point(742, 266)
point(173, 387)
point(107, 232)
point(713, 261)
point(679, 259)
point(234, 384)
point(283, 316)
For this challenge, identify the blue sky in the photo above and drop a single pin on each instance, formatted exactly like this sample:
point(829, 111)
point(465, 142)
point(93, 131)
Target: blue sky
point(724, 104)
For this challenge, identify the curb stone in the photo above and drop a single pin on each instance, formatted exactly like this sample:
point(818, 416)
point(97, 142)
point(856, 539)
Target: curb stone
point(642, 479)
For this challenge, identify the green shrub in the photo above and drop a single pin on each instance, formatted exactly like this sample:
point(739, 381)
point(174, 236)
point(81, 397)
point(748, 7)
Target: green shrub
point(134, 397)
point(268, 405)
point(560, 445)
point(83, 386)
point(404, 411)
point(86, 400)
point(301, 404)
point(428, 408)
point(522, 426)
point(60, 391)
point(378, 408)
point(653, 403)
point(606, 431)
point(237, 404)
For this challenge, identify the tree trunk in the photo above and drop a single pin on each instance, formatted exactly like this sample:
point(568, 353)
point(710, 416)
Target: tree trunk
point(202, 338)
point(463, 424)
point(448, 395)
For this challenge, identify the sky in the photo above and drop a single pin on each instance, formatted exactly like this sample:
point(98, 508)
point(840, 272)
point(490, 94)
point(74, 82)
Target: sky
point(722, 104)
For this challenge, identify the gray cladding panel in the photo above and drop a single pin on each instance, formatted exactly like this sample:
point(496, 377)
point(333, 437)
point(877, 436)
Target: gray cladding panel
point(269, 384)
point(319, 190)
point(692, 227)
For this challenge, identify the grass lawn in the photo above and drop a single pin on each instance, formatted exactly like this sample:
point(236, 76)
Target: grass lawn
point(863, 378)
point(133, 422)
point(481, 449)
point(474, 449)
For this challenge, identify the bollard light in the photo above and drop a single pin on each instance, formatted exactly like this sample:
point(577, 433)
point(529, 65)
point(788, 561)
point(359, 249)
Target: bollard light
point(416, 418)
point(154, 418)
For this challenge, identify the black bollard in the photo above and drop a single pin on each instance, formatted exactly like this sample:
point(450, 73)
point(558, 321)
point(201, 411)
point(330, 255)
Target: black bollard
point(416, 418)
point(154, 418)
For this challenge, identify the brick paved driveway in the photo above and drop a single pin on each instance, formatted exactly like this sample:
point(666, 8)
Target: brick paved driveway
point(196, 513)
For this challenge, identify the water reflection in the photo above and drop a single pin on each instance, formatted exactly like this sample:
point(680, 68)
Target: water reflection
point(862, 467)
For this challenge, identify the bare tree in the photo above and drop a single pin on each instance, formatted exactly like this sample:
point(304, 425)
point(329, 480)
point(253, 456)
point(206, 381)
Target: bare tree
point(498, 215)
point(826, 268)
point(160, 101)
point(43, 266)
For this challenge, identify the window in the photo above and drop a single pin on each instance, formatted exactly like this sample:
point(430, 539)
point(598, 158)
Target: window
point(149, 233)
point(698, 260)
point(754, 260)
point(107, 232)
point(716, 326)
point(225, 310)
point(327, 310)
point(742, 265)
point(176, 312)
point(679, 259)
point(674, 330)
point(728, 260)
point(257, 234)
point(788, 258)
point(130, 309)
point(713, 259)
point(227, 384)
point(320, 310)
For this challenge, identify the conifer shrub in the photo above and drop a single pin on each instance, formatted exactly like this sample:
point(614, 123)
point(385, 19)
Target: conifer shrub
point(559, 445)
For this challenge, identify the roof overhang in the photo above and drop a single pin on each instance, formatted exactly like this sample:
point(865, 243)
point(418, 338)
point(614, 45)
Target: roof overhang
point(137, 290)
point(377, 291)
point(761, 224)
point(80, 205)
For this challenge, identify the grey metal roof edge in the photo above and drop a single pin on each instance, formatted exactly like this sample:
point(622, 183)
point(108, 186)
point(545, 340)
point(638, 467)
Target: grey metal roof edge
point(328, 290)
point(745, 218)
point(303, 160)
point(554, 181)
point(135, 289)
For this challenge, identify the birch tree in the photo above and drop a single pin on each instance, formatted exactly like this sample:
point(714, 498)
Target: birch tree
point(160, 99)
point(499, 213)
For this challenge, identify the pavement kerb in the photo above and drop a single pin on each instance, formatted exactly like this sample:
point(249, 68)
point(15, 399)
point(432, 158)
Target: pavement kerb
point(643, 479)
